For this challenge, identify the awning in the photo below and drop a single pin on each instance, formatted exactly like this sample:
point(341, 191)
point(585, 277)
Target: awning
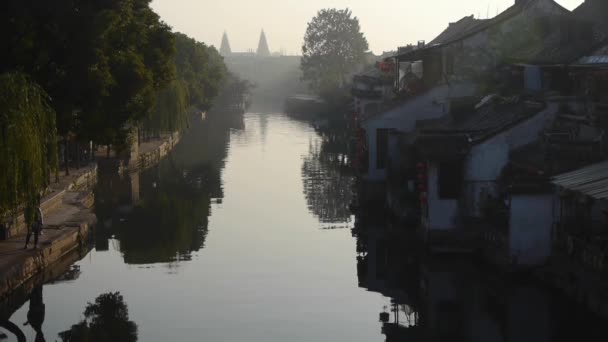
point(591, 181)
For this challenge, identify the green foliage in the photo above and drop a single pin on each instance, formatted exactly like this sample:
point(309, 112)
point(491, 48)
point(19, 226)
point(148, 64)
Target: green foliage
point(333, 47)
point(28, 144)
point(106, 320)
point(100, 61)
point(201, 68)
point(199, 73)
point(235, 93)
point(170, 112)
point(106, 66)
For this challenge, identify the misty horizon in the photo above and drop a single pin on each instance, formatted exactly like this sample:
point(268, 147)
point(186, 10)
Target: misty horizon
point(386, 24)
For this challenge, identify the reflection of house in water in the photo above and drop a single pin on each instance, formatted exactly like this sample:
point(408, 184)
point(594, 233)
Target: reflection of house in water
point(387, 264)
point(462, 302)
point(451, 298)
point(327, 184)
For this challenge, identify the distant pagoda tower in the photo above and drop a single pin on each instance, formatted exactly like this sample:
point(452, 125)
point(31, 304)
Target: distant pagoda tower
point(263, 50)
point(225, 47)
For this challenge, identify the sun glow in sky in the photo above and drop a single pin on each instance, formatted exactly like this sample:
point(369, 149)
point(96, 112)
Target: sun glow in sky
point(386, 23)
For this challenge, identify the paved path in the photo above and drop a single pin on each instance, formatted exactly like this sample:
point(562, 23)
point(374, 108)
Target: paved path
point(67, 216)
point(64, 229)
point(151, 145)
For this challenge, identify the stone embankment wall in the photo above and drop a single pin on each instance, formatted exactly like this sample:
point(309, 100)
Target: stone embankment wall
point(18, 266)
point(82, 179)
point(69, 218)
point(151, 154)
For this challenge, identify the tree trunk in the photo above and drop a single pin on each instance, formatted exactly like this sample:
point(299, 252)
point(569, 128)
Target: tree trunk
point(77, 155)
point(66, 154)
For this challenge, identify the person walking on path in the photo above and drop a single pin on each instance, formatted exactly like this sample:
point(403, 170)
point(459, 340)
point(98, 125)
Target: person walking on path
point(35, 228)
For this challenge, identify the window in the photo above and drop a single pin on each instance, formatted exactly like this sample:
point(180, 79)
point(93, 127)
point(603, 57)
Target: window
point(382, 148)
point(451, 181)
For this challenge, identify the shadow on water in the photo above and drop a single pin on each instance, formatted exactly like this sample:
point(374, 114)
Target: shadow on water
point(157, 216)
point(452, 298)
point(31, 292)
point(161, 215)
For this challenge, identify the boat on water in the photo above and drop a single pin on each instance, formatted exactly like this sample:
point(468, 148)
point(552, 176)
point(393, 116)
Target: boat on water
point(305, 106)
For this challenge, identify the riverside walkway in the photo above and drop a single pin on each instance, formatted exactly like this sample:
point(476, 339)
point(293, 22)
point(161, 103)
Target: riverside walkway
point(68, 218)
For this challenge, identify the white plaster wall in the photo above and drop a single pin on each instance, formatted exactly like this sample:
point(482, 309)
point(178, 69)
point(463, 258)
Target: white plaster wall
point(528, 131)
point(531, 220)
point(442, 212)
point(403, 118)
point(486, 160)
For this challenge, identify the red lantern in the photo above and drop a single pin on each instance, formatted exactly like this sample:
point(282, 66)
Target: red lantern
point(423, 198)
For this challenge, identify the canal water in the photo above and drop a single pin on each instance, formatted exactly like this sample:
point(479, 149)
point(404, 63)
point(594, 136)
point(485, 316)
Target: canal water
point(244, 233)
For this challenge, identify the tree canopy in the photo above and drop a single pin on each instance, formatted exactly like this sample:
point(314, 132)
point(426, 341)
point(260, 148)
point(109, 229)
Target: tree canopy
point(100, 61)
point(201, 68)
point(199, 74)
point(28, 143)
point(333, 47)
point(90, 70)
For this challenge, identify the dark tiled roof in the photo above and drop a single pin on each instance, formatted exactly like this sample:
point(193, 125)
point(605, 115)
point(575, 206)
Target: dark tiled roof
point(591, 180)
point(488, 120)
point(551, 159)
point(559, 53)
point(596, 13)
point(483, 25)
point(593, 10)
point(448, 138)
point(598, 57)
point(457, 29)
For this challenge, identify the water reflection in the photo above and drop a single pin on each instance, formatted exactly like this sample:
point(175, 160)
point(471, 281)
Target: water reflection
point(36, 312)
point(107, 319)
point(327, 178)
point(451, 298)
point(31, 293)
point(161, 215)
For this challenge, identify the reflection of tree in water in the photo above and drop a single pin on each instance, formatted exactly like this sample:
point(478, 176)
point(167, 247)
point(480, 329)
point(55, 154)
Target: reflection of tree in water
point(328, 180)
point(106, 320)
point(167, 219)
point(170, 220)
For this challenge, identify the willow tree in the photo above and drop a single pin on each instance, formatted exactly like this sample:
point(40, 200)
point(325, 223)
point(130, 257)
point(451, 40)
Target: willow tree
point(28, 144)
point(170, 111)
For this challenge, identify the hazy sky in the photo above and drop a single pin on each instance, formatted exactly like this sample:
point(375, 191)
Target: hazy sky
point(386, 23)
